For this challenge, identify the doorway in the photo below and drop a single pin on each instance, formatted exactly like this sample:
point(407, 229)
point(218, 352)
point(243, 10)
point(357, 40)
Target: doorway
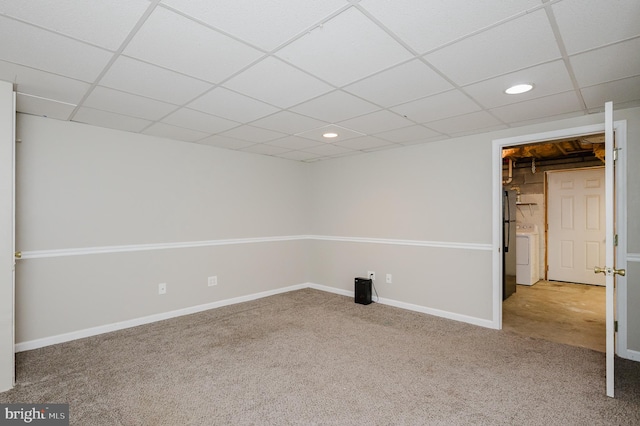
point(559, 310)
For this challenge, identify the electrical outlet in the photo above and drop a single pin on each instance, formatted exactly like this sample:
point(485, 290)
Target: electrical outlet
point(372, 275)
point(213, 281)
point(162, 288)
point(389, 279)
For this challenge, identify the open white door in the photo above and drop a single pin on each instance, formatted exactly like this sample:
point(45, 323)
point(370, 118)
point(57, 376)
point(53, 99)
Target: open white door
point(609, 269)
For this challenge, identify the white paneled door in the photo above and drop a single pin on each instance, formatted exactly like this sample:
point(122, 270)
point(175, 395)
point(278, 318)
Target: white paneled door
point(576, 219)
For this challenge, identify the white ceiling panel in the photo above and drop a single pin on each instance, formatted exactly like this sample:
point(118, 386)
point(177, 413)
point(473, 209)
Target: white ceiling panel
point(140, 78)
point(400, 84)
point(619, 92)
point(124, 103)
point(298, 155)
point(547, 79)
point(200, 121)
point(174, 132)
point(608, 63)
point(104, 23)
point(346, 48)
point(295, 142)
point(464, 123)
point(47, 51)
point(328, 150)
point(110, 120)
point(409, 134)
point(517, 44)
point(288, 122)
point(425, 25)
point(608, 22)
point(44, 107)
point(266, 24)
point(364, 143)
point(335, 106)
point(437, 107)
point(266, 149)
point(225, 142)
point(376, 122)
point(252, 134)
point(215, 58)
point(39, 83)
point(538, 108)
point(342, 132)
point(232, 106)
point(277, 83)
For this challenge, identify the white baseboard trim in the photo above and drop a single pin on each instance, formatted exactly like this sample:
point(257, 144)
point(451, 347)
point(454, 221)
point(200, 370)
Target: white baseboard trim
point(411, 307)
point(107, 328)
point(630, 354)
point(88, 332)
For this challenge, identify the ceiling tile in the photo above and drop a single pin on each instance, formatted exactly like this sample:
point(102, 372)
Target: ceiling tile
point(514, 45)
point(400, 84)
point(46, 85)
point(295, 142)
point(437, 107)
point(408, 134)
point(277, 83)
point(298, 155)
point(266, 24)
point(233, 106)
point(618, 92)
point(364, 143)
point(328, 150)
point(43, 107)
point(265, 149)
point(608, 63)
point(425, 25)
point(376, 122)
point(288, 122)
point(124, 103)
point(196, 120)
point(464, 123)
point(547, 79)
point(173, 132)
point(538, 108)
point(130, 75)
point(334, 107)
point(104, 23)
point(252, 134)
point(50, 52)
point(342, 132)
point(603, 18)
point(344, 49)
point(225, 142)
point(110, 120)
point(197, 52)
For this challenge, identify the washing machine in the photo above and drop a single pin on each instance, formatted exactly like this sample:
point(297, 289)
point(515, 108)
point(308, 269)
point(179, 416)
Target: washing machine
point(527, 254)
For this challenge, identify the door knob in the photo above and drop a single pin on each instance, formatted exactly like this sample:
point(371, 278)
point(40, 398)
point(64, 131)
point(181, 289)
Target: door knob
point(598, 270)
point(18, 255)
point(621, 272)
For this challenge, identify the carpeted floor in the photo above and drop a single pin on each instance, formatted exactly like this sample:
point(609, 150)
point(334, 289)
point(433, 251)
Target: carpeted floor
point(315, 358)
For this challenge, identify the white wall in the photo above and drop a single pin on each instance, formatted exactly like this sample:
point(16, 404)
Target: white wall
point(84, 187)
point(435, 193)
point(7, 113)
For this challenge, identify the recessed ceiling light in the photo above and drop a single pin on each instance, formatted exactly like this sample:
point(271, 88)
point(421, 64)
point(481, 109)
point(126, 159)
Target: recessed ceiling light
point(329, 135)
point(519, 88)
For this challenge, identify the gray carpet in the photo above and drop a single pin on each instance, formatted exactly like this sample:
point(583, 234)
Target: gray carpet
point(314, 358)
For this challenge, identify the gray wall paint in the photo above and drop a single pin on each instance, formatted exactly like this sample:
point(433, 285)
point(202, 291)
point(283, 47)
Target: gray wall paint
point(82, 186)
point(6, 230)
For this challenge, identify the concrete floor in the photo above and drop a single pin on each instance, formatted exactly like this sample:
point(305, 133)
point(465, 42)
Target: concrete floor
point(568, 313)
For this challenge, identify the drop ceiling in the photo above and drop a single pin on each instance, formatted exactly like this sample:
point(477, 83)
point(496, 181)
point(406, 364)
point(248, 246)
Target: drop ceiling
point(269, 77)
